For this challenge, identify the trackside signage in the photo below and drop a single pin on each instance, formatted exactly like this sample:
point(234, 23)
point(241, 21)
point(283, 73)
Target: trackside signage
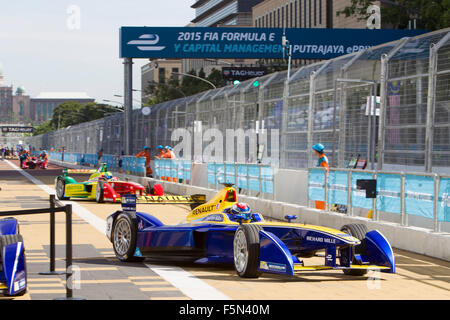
point(241, 43)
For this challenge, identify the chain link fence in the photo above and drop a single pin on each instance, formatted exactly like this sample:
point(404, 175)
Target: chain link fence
point(389, 104)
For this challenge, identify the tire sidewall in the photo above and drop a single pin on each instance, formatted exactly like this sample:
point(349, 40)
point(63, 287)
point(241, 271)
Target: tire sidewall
point(129, 254)
point(99, 192)
point(251, 234)
point(63, 182)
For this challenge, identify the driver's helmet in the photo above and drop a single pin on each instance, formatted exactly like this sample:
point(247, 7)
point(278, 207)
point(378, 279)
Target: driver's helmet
point(242, 210)
point(106, 175)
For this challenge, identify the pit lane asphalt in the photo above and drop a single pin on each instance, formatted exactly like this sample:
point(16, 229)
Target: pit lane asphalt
point(104, 277)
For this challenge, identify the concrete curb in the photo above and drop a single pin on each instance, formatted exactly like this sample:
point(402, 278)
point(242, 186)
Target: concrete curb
point(413, 239)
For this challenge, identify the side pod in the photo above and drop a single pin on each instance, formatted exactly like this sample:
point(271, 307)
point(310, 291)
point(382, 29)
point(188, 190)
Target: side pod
point(13, 259)
point(274, 256)
point(379, 251)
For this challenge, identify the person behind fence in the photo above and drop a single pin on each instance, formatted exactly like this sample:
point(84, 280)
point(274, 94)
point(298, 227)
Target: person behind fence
point(3, 150)
point(44, 157)
point(23, 157)
point(169, 153)
point(146, 153)
point(161, 151)
point(120, 162)
point(322, 162)
point(99, 156)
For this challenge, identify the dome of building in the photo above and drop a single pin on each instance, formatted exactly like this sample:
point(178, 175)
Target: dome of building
point(20, 90)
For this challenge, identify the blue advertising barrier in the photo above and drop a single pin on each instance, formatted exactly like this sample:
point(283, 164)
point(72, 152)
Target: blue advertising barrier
point(419, 195)
point(173, 168)
point(337, 187)
point(359, 199)
point(252, 177)
point(444, 200)
point(388, 193)
point(316, 184)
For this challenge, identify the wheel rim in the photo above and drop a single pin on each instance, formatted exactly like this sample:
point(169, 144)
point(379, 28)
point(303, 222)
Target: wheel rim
point(60, 188)
point(122, 237)
point(240, 251)
point(99, 186)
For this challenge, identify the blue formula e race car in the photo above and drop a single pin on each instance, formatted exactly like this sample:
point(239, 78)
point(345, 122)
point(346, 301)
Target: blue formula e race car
point(13, 275)
point(214, 233)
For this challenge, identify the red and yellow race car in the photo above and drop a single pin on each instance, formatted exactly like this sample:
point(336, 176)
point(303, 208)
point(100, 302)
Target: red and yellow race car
point(102, 186)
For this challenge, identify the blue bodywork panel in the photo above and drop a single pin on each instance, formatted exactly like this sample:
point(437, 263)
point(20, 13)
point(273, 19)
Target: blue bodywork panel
point(13, 261)
point(8, 226)
point(379, 251)
point(13, 272)
point(274, 256)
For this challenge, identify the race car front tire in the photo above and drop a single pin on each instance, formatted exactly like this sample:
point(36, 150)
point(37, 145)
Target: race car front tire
point(60, 188)
point(11, 239)
point(99, 192)
point(124, 237)
point(358, 231)
point(246, 250)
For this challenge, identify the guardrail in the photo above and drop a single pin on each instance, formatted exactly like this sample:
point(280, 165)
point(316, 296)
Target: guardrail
point(419, 194)
point(251, 177)
point(55, 206)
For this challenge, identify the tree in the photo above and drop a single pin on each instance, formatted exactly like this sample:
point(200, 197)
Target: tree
point(429, 14)
point(189, 86)
point(72, 113)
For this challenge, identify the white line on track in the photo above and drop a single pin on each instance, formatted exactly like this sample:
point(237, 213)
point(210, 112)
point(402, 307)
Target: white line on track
point(186, 282)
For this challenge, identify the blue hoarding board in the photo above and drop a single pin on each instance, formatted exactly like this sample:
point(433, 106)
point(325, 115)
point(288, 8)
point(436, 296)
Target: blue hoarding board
point(242, 43)
point(444, 200)
point(419, 195)
point(388, 192)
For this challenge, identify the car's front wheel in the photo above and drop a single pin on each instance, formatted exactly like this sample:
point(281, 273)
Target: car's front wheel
point(60, 188)
point(246, 251)
point(99, 192)
point(124, 238)
point(358, 231)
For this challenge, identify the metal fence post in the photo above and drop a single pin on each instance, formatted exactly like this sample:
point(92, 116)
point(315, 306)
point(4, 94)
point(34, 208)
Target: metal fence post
point(374, 201)
point(349, 193)
point(437, 180)
point(403, 216)
point(52, 240)
point(326, 189)
point(260, 181)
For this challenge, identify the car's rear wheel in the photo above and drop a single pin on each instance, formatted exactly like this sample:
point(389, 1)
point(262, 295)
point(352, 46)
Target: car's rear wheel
point(99, 192)
point(11, 239)
point(124, 238)
point(60, 188)
point(246, 251)
point(358, 231)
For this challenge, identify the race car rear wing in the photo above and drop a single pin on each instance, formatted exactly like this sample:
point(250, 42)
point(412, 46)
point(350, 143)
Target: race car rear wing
point(78, 171)
point(195, 198)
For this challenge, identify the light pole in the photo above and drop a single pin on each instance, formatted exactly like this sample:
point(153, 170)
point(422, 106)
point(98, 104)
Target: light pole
point(192, 76)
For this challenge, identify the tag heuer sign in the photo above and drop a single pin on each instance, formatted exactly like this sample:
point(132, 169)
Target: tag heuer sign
point(242, 73)
point(17, 129)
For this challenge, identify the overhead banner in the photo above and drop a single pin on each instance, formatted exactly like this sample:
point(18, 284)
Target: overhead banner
point(250, 43)
point(17, 129)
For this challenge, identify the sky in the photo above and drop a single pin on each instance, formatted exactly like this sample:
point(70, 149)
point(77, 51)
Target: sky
point(61, 45)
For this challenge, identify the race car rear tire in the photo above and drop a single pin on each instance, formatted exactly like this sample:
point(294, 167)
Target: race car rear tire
point(246, 251)
point(99, 192)
point(358, 231)
point(11, 239)
point(60, 188)
point(124, 238)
